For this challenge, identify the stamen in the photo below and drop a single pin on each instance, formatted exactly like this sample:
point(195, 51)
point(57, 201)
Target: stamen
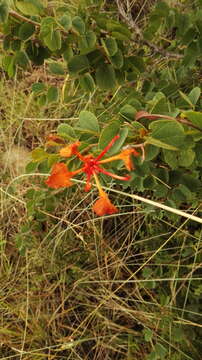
point(107, 147)
point(125, 178)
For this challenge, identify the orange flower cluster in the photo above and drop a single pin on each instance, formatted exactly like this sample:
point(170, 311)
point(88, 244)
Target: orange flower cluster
point(61, 177)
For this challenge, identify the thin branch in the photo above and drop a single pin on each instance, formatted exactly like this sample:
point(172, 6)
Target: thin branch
point(23, 18)
point(130, 22)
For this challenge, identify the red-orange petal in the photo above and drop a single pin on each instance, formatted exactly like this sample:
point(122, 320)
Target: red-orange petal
point(59, 177)
point(103, 206)
point(69, 150)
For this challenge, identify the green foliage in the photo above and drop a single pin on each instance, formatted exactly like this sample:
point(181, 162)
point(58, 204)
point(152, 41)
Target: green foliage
point(88, 122)
point(29, 7)
point(100, 74)
point(4, 8)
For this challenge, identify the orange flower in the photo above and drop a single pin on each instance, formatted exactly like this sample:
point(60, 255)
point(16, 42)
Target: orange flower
point(70, 150)
point(103, 206)
point(60, 176)
point(124, 155)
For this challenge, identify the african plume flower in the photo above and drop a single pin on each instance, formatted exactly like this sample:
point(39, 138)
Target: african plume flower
point(103, 205)
point(61, 177)
point(70, 150)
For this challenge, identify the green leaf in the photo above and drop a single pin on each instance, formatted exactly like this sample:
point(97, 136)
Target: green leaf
point(137, 62)
point(56, 68)
point(123, 133)
point(117, 60)
point(88, 121)
point(31, 167)
point(7, 42)
point(194, 95)
point(66, 22)
point(110, 46)
point(39, 155)
point(148, 334)
point(170, 158)
point(108, 133)
point(26, 30)
point(118, 31)
point(66, 131)
point(192, 183)
point(78, 25)
point(186, 157)
point(195, 117)
point(29, 7)
point(160, 143)
point(176, 159)
point(161, 351)
point(186, 98)
point(21, 59)
point(16, 45)
point(52, 94)
point(87, 42)
point(169, 132)
point(4, 9)
point(68, 54)
point(38, 87)
point(37, 54)
point(53, 39)
point(87, 83)
point(47, 25)
point(128, 112)
point(151, 152)
point(78, 63)
point(105, 77)
point(191, 54)
point(42, 100)
point(8, 65)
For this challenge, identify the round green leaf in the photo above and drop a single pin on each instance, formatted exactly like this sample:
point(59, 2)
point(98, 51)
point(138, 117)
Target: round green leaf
point(168, 131)
point(66, 131)
point(4, 11)
point(52, 94)
point(66, 22)
point(39, 155)
point(128, 112)
point(21, 59)
point(108, 133)
point(38, 87)
point(117, 60)
point(88, 122)
point(87, 83)
point(53, 39)
point(78, 63)
point(78, 25)
point(195, 117)
point(26, 30)
point(110, 46)
point(194, 95)
point(105, 77)
point(29, 7)
point(87, 42)
point(56, 68)
point(15, 45)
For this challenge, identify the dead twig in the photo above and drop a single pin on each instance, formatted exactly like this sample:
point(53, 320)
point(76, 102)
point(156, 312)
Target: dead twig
point(127, 17)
